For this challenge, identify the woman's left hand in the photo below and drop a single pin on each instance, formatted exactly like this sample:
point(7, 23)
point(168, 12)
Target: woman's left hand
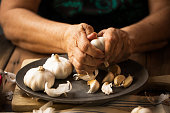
point(118, 45)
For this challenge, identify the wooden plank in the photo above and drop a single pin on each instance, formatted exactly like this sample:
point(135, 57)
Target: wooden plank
point(19, 56)
point(6, 49)
point(158, 61)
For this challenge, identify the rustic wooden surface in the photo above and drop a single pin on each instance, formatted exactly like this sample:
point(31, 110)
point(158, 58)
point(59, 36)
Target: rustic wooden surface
point(6, 49)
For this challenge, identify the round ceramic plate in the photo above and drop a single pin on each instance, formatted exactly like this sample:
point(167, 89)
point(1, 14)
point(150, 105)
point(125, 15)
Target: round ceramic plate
point(78, 94)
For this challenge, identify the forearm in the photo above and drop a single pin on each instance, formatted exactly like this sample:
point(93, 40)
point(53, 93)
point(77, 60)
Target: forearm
point(30, 31)
point(154, 28)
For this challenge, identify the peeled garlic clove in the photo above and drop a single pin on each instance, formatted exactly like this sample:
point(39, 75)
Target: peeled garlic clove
point(107, 88)
point(128, 81)
point(87, 76)
point(61, 89)
point(135, 110)
point(94, 86)
point(115, 69)
point(109, 77)
point(119, 79)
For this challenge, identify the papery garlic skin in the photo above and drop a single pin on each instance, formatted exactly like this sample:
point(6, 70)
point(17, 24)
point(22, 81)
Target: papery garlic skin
point(59, 66)
point(94, 86)
point(35, 78)
point(87, 76)
point(107, 88)
point(61, 89)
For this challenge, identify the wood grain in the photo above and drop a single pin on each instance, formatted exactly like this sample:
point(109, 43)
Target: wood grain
point(6, 49)
point(158, 62)
point(19, 56)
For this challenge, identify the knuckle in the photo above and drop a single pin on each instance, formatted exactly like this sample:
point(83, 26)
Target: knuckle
point(82, 58)
point(85, 47)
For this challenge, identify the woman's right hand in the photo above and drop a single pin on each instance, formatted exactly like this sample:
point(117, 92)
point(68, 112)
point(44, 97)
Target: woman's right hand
point(81, 53)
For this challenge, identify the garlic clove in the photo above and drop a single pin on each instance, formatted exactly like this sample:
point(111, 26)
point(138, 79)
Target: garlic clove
point(87, 76)
point(109, 77)
point(128, 81)
point(118, 80)
point(61, 89)
point(94, 86)
point(140, 109)
point(135, 110)
point(115, 69)
point(107, 88)
point(145, 110)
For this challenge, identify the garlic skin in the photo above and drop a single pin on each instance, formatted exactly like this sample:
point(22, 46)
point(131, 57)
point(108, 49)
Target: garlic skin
point(35, 78)
point(108, 78)
point(140, 109)
point(94, 86)
point(61, 89)
point(59, 66)
point(99, 43)
point(107, 88)
point(87, 76)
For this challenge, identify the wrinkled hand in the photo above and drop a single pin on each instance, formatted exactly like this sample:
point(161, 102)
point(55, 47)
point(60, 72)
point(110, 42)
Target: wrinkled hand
point(81, 53)
point(118, 46)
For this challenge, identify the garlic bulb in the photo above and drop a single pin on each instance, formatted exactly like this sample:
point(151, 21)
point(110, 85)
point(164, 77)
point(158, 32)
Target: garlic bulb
point(107, 88)
point(99, 43)
point(59, 66)
point(35, 78)
point(61, 89)
point(94, 86)
point(140, 109)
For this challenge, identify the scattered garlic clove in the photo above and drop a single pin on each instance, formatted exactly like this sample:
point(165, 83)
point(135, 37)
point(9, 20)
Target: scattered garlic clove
point(145, 110)
point(118, 80)
point(87, 76)
point(61, 89)
point(107, 88)
point(94, 86)
point(109, 77)
point(140, 109)
point(59, 66)
point(128, 81)
point(115, 69)
point(135, 110)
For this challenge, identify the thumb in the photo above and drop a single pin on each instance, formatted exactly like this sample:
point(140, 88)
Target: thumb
point(92, 36)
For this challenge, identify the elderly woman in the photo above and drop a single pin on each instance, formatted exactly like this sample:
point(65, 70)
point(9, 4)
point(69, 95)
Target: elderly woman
point(67, 26)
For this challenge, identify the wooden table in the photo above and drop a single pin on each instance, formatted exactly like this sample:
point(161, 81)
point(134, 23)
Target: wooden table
point(156, 62)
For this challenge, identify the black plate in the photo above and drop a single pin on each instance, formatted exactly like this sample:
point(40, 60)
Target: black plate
point(78, 94)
